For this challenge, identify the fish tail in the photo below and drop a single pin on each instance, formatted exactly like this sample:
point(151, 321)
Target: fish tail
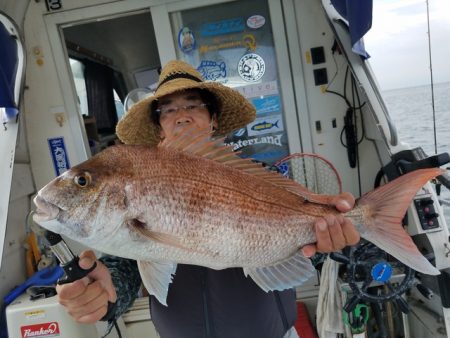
point(387, 206)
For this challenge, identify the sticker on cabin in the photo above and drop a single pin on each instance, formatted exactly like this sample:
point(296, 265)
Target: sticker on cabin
point(274, 140)
point(40, 330)
point(222, 27)
point(186, 40)
point(266, 104)
point(258, 90)
point(59, 154)
point(251, 67)
point(212, 70)
point(265, 125)
point(247, 41)
point(240, 132)
point(256, 21)
point(283, 168)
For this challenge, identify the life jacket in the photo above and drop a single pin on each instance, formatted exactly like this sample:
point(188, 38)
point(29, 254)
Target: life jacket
point(207, 303)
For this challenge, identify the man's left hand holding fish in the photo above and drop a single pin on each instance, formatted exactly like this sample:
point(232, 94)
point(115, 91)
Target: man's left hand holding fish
point(334, 232)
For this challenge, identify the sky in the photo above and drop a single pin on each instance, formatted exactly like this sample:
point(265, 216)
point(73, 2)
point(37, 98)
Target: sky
point(398, 42)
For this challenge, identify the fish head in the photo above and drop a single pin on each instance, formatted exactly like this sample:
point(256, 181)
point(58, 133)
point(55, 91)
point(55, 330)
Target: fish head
point(88, 202)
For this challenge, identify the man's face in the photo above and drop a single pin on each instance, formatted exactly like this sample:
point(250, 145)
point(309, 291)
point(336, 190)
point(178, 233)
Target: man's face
point(179, 110)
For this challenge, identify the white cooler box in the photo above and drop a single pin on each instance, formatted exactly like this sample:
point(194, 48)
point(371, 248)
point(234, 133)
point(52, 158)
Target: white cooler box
point(44, 318)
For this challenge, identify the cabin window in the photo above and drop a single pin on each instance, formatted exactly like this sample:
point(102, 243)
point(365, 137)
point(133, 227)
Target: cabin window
point(80, 85)
point(118, 104)
point(99, 99)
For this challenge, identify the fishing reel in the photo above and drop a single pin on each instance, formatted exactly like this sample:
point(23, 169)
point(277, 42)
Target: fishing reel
point(367, 266)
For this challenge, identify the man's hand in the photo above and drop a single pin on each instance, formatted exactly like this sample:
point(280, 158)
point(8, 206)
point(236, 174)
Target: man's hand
point(334, 232)
point(86, 300)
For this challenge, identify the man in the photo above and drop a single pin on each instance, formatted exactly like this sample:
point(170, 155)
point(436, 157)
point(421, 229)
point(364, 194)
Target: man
point(201, 302)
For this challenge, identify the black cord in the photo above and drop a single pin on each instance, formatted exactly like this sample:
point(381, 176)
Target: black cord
point(342, 133)
point(363, 135)
point(355, 123)
point(117, 328)
point(351, 123)
point(329, 84)
point(344, 96)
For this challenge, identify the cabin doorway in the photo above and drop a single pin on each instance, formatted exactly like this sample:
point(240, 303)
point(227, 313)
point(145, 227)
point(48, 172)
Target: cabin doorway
point(108, 58)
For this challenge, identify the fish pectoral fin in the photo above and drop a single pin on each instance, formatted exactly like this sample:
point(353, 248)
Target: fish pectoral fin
point(156, 277)
point(283, 275)
point(142, 228)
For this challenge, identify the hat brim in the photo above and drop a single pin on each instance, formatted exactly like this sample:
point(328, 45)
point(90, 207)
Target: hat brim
point(137, 127)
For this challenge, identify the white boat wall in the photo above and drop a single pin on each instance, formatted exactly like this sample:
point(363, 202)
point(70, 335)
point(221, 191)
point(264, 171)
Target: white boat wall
point(312, 92)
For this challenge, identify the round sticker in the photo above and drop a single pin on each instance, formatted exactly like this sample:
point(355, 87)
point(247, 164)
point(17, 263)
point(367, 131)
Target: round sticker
point(251, 67)
point(381, 272)
point(186, 40)
point(256, 21)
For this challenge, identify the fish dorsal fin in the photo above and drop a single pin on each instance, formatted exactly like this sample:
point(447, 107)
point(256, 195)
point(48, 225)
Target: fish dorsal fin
point(198, 142)
point(156, 277)
point(283, 275)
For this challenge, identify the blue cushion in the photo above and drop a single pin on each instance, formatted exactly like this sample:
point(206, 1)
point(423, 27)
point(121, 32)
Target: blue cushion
point(8, 67)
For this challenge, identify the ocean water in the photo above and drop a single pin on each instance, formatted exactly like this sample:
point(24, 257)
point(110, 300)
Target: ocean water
point(411, 110)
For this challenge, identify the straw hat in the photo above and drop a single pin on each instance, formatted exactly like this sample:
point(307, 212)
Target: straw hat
point(137, 127)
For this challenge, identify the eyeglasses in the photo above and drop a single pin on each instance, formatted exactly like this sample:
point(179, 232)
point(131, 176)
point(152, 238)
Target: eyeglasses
point(165, 111)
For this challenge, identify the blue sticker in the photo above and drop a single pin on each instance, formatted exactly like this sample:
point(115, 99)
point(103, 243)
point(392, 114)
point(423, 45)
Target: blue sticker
point(186, 40)
point(212, 70)
point(283, 167)
point(381, 272)
point(222, 27)
point(267, 104)
point(59, 155)
point(264, 125)
point(240, 132)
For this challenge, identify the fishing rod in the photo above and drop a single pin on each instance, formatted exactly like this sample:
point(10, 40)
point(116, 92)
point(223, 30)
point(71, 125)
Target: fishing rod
point(431, 75)
point(70, 264)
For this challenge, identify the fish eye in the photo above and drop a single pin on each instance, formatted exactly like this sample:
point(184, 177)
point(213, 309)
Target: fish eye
point(82, 180)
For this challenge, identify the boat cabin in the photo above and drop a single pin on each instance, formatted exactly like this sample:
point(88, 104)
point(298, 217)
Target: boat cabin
point(69, 70)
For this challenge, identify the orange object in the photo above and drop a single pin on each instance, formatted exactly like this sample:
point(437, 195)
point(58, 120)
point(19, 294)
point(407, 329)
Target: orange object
point(33, 255)
point(32, 242)
point(29, 263)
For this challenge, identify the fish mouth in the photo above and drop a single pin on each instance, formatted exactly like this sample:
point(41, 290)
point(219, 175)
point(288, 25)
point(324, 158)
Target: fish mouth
point(45, 211)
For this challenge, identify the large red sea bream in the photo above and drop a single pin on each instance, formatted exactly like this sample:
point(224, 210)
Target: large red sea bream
point(193, 201)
